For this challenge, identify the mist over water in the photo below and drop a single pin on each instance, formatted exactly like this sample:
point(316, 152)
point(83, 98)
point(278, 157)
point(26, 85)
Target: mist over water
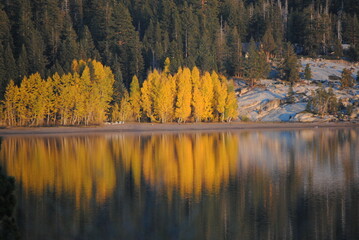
point(301, 184)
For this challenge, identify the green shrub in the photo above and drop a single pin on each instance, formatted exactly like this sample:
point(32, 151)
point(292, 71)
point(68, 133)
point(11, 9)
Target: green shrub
point(323, 102)
point(245, 118)
point(307, 72)
point(347, 78)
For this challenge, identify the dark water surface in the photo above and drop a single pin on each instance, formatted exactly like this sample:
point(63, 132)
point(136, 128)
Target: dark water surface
point(301, 184)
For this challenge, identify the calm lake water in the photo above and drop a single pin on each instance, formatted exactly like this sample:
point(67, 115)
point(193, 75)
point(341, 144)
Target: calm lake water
point(301, 184)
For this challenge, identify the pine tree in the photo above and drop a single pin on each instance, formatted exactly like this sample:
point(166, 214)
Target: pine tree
point(22, 63)
point(221, 48)
point(338, 49)
point(307, 72)
point(48, 20)
point(5, 27)
point(69, 49)
point(290, 65)
point(269, 45)
point(190, 34)
point(351, 30)
point(205, 60)
point(87, 47)
point(255, 64)
point(3, 73)
point(235, 61)
point(10, 64)
point(28, 35)
point(347, 79)
point(124, 42)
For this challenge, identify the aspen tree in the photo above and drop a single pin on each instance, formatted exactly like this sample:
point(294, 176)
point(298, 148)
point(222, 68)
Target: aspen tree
point(149, 94)
point(165, 98)
point(11, 95)
point(184, 94)
point(49, 100)
point(125, 108)
point(32, 100)
point(207, 91)
point(220, 95)
point(146, 102)
point(135, 98)
point(86, 92)
point(231, 109)
point(197, 96)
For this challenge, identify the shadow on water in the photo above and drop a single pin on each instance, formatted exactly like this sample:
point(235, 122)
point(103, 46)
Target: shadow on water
point(8, 227)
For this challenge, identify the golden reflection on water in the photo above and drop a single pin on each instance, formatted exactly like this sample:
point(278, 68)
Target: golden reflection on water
point(79, 166)
point(250, 185)
point(187, 163)
point(86, 167)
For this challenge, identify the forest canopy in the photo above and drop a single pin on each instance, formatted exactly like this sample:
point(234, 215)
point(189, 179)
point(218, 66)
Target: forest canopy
point(135, 36)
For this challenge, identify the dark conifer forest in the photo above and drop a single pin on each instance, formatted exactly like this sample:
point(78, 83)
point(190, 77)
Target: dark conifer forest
point(136, 36)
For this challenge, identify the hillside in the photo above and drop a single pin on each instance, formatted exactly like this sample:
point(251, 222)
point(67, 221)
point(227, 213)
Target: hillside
point(270, 102)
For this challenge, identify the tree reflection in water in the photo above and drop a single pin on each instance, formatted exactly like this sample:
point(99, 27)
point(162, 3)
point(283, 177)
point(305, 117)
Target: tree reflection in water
point(249, 185)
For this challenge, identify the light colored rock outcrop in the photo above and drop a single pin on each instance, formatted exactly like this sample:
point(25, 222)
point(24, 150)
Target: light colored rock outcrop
point(355, 113)
point(284, 113)
point(270, 101)
point(304, 117)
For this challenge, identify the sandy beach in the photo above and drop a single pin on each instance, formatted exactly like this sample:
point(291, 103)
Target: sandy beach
point(169, 127)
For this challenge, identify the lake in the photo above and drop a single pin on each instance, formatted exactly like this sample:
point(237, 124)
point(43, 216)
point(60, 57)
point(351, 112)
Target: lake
point(300, 184)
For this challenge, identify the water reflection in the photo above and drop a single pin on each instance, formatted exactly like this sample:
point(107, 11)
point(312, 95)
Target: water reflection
point(249, 185)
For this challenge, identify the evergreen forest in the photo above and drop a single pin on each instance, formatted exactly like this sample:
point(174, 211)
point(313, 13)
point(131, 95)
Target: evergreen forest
point(134, 38)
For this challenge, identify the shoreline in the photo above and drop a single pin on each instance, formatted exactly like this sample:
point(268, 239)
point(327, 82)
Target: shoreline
point(149, 128)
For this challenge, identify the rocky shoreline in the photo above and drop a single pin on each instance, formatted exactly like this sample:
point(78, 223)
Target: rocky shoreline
point(272, 100)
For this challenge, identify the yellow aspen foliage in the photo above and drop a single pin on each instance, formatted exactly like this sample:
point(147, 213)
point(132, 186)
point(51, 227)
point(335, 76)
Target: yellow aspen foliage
point(231, 109)
point(80, 100)
point(195, 76)
point(84, 95)
point(65, 102)
point(207, 91)
point(49, 100)
point(148, 95)
point(102, 90)
point(125, 108)
point(115, 113)
point(146, 102)
point(197, 96)
point(135, 98)
point(56, 86)
point(85, 107)
point(32, 102)
point(184, 94)
point(10, 104)
point(164, 100)
point(220, 96)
